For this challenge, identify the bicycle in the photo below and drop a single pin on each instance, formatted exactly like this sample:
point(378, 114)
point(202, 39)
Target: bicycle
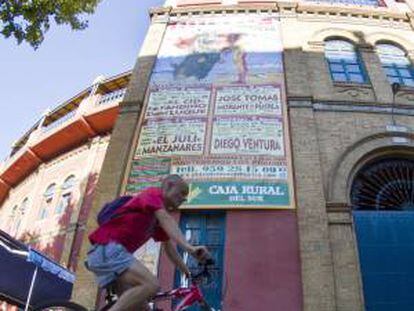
point(189, 295)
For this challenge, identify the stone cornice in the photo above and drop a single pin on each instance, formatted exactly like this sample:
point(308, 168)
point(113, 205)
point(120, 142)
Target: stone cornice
point(352, 11)
point(130, 106)
point(411, 19)
point(305, 9)
point(338, 207)
point(350, 106)
point(5, 184)
point(404, 110)
point(222, 9)
point(159, 11)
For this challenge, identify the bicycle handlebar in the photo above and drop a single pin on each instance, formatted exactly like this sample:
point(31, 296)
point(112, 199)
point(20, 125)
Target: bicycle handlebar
point(208, 262)
point(204, 273)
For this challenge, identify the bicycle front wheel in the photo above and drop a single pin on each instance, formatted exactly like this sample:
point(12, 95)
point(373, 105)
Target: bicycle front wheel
point(59, 306)
point(204, 306)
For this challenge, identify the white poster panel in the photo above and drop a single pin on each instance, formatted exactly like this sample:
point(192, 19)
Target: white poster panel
point(178, 102)
point(248, 100)
point(210, 168)
point(247, 135)
point(172, 137)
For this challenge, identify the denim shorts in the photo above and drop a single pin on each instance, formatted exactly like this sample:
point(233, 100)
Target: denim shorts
point(108, 261)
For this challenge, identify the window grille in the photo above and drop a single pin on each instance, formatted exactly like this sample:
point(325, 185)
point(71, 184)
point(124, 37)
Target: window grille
point(396, 64)
point(344, 62)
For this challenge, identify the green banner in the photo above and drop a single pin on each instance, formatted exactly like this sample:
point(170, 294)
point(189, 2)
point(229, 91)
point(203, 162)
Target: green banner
point(243, 193)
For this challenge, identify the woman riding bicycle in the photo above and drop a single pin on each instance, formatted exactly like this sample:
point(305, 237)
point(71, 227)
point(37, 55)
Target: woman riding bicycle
point(142, 217)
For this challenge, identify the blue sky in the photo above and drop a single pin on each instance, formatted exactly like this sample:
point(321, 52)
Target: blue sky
point(66, 63)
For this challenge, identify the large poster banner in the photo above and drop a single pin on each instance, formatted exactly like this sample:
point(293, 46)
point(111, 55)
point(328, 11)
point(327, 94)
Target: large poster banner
point(215, 114)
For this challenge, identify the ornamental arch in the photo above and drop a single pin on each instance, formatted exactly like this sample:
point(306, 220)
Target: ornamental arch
point(399, 40)
point(320, 36)
point(375, 146)
point(382, 205)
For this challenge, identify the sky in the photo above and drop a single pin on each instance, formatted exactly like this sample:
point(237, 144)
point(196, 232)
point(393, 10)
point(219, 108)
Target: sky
point(67, 62)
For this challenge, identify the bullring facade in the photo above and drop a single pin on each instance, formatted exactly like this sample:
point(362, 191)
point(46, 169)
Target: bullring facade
point(336, 189)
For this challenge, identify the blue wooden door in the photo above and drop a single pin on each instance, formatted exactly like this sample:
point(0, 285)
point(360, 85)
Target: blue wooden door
point(386, 254)
point(205, 228)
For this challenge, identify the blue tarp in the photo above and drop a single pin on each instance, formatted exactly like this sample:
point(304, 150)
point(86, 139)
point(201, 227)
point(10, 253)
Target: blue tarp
point(17, 265)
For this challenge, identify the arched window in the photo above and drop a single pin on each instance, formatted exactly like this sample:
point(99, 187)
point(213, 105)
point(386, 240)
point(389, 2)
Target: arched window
point(19, 214)
point(344, 62)
point(385, 185)
point(14, 220)
point(69, 182)
point(396, 64)
point(50, 191)
point(66, 195)
point(13, 214)
point(23, 206)
point(47, 201)
point(382, 197)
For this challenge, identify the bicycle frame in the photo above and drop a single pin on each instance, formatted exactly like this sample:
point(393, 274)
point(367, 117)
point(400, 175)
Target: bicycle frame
point(189, 296)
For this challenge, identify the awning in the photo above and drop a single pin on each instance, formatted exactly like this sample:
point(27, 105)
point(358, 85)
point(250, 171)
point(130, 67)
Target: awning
point(20, 266)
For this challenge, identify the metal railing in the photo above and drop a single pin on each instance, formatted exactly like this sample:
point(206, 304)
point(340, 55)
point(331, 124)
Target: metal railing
point(59, 121)
point(12, 158)
point(117, 95)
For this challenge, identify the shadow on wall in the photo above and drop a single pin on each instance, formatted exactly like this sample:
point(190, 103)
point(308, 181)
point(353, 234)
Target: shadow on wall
point(64, 247)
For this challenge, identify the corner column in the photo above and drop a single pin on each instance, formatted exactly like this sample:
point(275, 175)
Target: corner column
point(316, 256)
point(121, 146)
point(348, 282)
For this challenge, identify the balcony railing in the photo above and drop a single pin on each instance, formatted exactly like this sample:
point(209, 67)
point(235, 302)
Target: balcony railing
point(13, 158)
point(59, 122)
point(117, 95)
point(374, 3)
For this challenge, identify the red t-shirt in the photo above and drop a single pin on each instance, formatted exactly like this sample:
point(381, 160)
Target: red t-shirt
point(135, 227)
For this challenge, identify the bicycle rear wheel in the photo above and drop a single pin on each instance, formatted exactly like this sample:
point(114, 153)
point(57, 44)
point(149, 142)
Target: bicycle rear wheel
point(59, 306)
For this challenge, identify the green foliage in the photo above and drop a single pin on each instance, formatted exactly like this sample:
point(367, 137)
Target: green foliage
point(29, 20)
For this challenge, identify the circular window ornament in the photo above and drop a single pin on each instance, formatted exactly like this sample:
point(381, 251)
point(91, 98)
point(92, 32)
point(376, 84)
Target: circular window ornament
point(384, 185)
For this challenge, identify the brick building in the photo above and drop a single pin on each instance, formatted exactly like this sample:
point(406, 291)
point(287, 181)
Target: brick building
point(293, 123)
point(48, 182)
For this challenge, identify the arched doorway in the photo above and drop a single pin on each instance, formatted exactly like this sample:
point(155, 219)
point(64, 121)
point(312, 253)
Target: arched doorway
point(382, 197)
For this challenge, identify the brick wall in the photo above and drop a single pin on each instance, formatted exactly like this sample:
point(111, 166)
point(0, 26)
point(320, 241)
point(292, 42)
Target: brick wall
point(334, 127)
